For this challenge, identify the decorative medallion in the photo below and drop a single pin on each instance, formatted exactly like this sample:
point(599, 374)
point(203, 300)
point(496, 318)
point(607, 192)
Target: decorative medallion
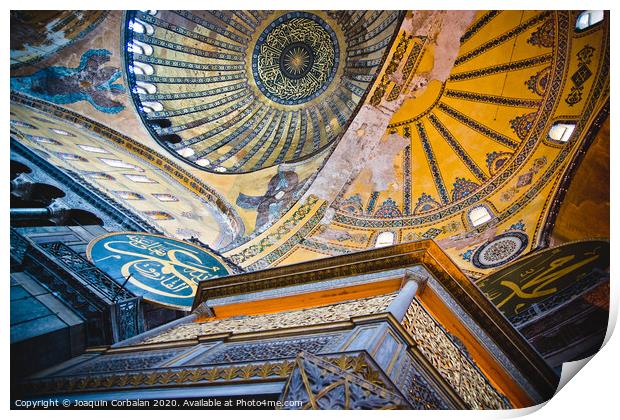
point(495, 161)
point(462, 188)
point(544, 35)
point(352, 205)
point(546, 276)
point(538, 82)
point(387, 210)
point(500, 250)
point(295, 58)
point(425, 203)
point(162, 270)
point(522, 124)
point(581, 75)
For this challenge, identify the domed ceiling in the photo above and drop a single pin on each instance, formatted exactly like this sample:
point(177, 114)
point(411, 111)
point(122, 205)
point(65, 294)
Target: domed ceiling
point(235, 92)
point(370, 127)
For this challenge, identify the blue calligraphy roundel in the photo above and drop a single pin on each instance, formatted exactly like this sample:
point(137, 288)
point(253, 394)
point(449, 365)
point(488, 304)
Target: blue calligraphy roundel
point(162, 270)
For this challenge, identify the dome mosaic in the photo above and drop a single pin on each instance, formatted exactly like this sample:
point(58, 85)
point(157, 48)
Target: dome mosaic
point(295, 58)
point(236, 92)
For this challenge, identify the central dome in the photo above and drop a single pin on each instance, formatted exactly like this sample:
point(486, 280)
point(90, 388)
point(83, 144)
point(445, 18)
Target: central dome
point(240, 91)
point(295, 58)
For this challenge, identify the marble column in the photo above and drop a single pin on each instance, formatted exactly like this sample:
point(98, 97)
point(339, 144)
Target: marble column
point(30, 214)
point(412, 284)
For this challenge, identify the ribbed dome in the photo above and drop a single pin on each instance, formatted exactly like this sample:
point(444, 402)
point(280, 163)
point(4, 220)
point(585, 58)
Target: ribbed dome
point(236, 92)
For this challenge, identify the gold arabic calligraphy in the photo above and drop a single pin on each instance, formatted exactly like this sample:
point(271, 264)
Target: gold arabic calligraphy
point(156, 261)
point(543, 278)
point(300, 30)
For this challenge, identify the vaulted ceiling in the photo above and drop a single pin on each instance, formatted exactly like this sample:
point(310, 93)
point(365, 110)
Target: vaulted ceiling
point(310, 134)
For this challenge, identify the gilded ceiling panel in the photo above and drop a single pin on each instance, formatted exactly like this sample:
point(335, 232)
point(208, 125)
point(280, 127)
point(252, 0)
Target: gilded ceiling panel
point(478, 170)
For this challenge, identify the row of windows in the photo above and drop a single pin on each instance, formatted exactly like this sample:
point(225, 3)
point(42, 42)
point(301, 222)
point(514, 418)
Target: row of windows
point(186, 152)
point(477, 216)
point(115, 163)
point(142, 48)
point(560, 132)
point(131, 195)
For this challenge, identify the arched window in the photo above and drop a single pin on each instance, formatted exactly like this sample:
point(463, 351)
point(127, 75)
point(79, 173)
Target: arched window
point(203, 162)
point(116, 163)
point(62, 132)
point(561, 132)
point(589, 18)
point(141, 27)
point(139, 47)
point(93, 149)
point(149, 106)
point(148, 87)
point(142, 68)
point(140, 179)
point(165, 197)
point(186, 152)
point(479, 215)
point(137, 27)
point(384, 239)
point(46, 140)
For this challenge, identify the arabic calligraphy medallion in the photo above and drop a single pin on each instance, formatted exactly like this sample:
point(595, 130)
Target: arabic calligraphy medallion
point(546, 275)
point(163, 270)
point(295, 58)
